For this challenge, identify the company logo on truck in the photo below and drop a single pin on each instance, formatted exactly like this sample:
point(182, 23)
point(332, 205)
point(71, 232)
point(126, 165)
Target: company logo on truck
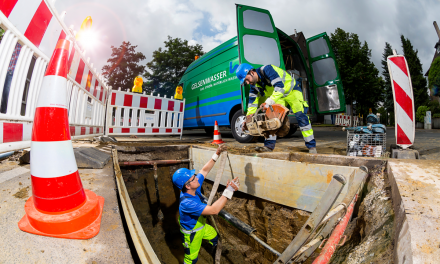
point(208, 80)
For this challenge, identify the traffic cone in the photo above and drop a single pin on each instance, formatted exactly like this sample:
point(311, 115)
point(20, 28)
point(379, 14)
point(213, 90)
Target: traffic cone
point(59, 207)
point(217, 135)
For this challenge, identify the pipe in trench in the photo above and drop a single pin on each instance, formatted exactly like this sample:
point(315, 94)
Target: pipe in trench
point(330, 247)
point(152, 162)
point(232, 220)
point(6, 154)
point(243, 227)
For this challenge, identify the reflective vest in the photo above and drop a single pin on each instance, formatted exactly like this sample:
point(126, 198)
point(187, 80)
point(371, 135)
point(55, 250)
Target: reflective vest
point(291, 93)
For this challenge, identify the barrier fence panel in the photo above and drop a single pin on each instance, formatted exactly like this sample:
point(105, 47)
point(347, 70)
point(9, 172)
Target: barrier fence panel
point(32, 29)
point(141, 114)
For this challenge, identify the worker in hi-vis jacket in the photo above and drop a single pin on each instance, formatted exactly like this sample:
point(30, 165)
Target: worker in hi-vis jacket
point(272, 85)
point(192, 211)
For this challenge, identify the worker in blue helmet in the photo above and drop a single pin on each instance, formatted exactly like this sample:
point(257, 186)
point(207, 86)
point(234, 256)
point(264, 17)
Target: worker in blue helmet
point(271, 85)
point(192, 210)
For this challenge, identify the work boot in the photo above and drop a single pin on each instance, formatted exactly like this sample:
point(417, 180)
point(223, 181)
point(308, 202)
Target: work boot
point(263, 149)
point(312, 151)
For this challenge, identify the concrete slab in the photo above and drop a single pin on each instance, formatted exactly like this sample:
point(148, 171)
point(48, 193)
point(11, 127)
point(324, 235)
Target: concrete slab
point(109, 246)
point(91, 158)
point(415, 186)
point(404, 154)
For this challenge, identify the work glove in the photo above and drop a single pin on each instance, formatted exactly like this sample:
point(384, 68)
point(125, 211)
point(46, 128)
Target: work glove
point(220, 149)
point(244, 127)
point(231, 187)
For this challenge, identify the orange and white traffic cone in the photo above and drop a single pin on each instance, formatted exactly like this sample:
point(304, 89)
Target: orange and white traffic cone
point(59, 207)
point(217, 135)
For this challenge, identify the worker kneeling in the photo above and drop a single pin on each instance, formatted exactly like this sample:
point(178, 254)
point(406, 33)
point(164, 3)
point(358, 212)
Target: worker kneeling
point(192, 211)
point(271, 85)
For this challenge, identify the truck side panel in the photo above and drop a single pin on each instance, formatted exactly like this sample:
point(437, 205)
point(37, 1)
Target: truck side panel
point(211, 93)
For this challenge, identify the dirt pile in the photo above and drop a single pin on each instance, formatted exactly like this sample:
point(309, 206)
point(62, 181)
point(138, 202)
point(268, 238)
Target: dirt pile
point(370, 232)
point(276, 225)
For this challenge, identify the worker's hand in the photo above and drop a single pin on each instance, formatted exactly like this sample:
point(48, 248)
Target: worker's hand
point(234, 184)
point(231, 187)
point(221, 148)
point(244, 127)
point(264, 105)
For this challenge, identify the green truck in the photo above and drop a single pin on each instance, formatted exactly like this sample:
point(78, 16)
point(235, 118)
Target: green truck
point(213, 92)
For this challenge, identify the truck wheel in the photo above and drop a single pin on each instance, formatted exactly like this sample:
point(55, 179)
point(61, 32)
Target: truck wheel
point(236, 123)
point(293, 129)
point(209, 131)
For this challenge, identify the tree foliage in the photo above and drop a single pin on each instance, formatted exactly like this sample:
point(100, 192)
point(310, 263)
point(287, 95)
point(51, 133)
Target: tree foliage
point(169, 64)
point(123, 66)
point(2, 32)
point(360, 79)
point(388, 100)
point(434, 77)
point(421, 113)
point(419, 83)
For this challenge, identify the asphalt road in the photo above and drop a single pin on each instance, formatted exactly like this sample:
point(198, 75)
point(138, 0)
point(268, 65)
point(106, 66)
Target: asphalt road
point(330, 140)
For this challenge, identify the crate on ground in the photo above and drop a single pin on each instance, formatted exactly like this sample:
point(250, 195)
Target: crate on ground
point(366, 145)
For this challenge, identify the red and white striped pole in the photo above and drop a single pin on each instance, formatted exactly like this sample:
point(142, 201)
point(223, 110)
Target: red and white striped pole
point(403, 100)
point(59, 207)
point(217, 135)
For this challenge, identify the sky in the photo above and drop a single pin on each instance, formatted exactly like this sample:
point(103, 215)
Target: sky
point(147, 23)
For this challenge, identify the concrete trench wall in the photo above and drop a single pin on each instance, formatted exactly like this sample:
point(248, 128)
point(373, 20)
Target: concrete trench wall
point(276, 224)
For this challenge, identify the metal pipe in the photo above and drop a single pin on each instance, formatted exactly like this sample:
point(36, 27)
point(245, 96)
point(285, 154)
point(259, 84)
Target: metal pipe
point(330, 247)
point(265, 245)
point(152, 162)
point(6, 154)
point(156, 183)
point(243, 227)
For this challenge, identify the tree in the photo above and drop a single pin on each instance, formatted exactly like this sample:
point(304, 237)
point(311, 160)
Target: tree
point(434, 77)
point(362, 85)
point(388, 100)
point(2, 32)
point(123, 66)
point(419, 82)
point(169, 64)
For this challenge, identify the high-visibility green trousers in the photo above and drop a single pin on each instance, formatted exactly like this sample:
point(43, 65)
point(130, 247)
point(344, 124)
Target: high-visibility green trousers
point(192, 239)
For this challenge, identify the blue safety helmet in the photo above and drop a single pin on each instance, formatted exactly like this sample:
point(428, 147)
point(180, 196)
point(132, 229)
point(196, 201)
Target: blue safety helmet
point(181, 176)
point(242, 71)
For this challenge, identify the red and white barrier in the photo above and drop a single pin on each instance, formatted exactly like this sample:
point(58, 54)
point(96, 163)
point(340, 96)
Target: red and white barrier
point(140, 114)
point(36, 26)
point(345, 120)
point(403, 100)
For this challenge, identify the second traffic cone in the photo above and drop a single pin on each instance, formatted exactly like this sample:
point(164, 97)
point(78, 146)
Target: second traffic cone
point(217, 135)
point(59, 206)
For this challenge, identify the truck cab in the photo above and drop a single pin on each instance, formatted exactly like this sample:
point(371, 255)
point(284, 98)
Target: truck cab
point(213, 92)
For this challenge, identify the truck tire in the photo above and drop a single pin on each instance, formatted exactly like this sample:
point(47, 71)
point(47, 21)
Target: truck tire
point(236, 123)
point(209, 131)
point(293, 129)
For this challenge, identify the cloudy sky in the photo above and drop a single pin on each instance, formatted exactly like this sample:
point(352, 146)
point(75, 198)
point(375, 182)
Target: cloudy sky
point(147, 23)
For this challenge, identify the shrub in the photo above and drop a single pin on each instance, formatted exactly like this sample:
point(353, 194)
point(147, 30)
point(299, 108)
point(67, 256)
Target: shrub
point(436, 116)
point(421, 113)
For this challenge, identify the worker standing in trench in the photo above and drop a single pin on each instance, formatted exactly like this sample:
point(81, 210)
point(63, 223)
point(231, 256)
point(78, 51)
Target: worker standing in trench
point(272, 85)
point(192, 211)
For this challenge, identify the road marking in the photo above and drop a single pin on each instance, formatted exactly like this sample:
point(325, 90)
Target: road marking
point(13, 173)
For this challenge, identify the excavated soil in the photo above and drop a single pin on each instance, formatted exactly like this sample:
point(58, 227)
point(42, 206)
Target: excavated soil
point(369, 233)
